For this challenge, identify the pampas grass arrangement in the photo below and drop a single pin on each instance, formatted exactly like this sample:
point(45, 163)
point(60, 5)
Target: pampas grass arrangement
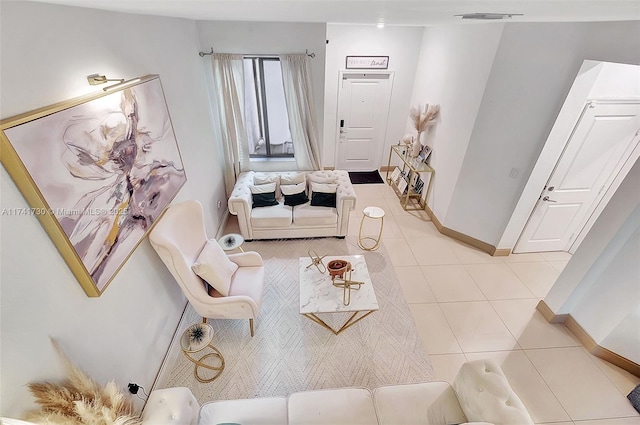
point(423, 118)
point(80, 400)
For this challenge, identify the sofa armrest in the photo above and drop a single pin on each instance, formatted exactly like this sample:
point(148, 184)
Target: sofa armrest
point(485, 395)
point(171, 406)
point(346, 194)
point(417, 404)
point(240, 203)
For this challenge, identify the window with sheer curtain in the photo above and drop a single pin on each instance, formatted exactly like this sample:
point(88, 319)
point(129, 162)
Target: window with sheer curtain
point(266, 116)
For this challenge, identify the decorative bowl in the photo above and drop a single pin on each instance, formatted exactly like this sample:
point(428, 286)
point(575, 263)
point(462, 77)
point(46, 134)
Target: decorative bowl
point(337, 268)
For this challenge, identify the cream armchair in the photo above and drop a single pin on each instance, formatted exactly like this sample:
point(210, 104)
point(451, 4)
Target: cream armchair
point(179, 237)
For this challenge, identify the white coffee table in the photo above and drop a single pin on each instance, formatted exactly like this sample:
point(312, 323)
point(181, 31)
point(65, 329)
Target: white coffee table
point(318, 295)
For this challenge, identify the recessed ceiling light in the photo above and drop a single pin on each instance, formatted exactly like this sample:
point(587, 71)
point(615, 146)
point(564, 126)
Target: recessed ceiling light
point(380, 25)
point(488, 16)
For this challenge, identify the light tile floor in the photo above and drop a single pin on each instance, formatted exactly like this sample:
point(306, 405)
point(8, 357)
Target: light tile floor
point(468, 305)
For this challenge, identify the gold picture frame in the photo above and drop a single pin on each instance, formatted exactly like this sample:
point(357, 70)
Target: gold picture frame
point(97, 171)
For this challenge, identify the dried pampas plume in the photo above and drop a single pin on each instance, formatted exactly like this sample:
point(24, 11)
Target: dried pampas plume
point(80, 400)
point(421, 118)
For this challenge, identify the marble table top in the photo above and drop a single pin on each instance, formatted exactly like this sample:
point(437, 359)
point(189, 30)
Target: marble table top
point(318, 295)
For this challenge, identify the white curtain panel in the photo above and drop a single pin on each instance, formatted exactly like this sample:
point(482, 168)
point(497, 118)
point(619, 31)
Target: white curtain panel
point(296, 76)
point(228, 76)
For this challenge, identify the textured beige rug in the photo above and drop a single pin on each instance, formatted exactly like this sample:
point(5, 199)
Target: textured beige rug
point(291, 353)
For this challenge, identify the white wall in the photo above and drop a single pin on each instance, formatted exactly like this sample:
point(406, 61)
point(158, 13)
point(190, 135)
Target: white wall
point(599, 287)
point(533, 70)
point(454, 65)
point(124, 334)
point(401, 44)
point(265, 38)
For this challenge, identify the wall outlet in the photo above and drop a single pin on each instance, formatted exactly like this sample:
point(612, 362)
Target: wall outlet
point(219, 204)
point(514, 173)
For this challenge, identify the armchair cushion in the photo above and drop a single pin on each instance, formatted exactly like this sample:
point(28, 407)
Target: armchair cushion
point(214, 267)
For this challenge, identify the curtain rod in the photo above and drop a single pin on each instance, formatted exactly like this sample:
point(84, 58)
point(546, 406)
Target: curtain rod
point(203, 54)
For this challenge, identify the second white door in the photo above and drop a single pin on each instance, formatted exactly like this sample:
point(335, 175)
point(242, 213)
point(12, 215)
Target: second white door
point(602, 141)
point(363, 108)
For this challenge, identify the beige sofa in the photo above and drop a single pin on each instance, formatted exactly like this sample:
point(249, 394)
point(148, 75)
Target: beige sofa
point(480, 394)
point(282, 221)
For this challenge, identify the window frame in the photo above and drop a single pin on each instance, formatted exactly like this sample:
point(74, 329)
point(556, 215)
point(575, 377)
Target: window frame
point(257, 63)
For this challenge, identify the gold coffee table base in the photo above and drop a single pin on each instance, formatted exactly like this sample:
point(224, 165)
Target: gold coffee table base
point(346, 325)
point(200, 362)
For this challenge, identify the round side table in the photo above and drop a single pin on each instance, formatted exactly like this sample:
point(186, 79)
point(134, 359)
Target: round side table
point(195, 340)
point(375, 213)
point(231, 241)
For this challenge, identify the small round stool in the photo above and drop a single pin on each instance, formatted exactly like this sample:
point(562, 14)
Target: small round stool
point(194, 340)
point(373, 213)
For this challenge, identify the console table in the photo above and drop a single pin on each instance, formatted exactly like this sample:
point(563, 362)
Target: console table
point(411, 197)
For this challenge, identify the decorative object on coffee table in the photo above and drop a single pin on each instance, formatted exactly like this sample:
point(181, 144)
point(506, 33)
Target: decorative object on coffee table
point(346, 284)
point(337, 268)
point(194, 340)
point(375, 213)
point(316, 260)
point(231, 241)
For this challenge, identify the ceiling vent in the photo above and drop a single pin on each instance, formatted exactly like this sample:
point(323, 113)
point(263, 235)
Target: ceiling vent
point(488, 16)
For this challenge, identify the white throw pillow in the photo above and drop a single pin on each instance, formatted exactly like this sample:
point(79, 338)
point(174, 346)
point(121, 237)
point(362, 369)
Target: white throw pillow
point(261, 178)
point(324, 187)
point(214, 267)
point(292, 189)
point(263, 188)
point(292, 178)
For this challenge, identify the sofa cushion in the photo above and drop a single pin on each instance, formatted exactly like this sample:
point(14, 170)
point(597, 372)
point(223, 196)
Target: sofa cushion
point(257, 411)
point(417, 404)
point(309, 215)
point(294, 194)
point(214, 267)
point(276, 216)
point(348, 406)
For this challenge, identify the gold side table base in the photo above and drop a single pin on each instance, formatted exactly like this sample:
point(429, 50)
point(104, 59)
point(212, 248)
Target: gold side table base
point(376, 241)
point(200, 362)
point(346, 325)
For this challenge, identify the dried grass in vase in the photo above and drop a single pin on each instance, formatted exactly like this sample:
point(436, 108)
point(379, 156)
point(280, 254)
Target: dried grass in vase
point(80, 400)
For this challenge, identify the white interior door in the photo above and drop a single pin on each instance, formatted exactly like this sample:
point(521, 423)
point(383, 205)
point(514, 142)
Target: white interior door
point(601, 142)
point(363, 108)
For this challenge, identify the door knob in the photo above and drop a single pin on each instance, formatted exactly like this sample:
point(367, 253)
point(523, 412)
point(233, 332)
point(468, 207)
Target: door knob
point(546, 198)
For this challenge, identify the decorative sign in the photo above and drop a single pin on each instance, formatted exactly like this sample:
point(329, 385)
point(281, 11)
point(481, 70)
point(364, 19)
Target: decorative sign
point(367, 62)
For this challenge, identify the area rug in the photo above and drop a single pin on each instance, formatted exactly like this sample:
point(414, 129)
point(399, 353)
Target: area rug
point(291, 353)
point(364, 177)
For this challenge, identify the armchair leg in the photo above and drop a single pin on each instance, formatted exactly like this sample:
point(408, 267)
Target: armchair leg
point(251, 326)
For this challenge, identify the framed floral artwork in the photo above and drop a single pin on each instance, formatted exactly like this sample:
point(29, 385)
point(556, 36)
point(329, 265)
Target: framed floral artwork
point(97, 172)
